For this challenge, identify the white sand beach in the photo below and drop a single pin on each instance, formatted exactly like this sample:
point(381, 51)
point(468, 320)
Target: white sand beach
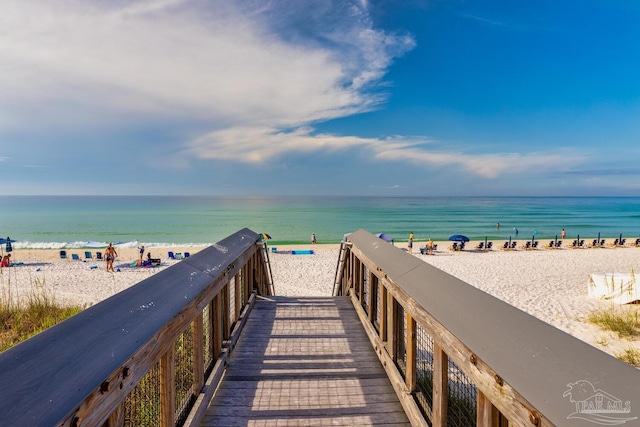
point(548, 284)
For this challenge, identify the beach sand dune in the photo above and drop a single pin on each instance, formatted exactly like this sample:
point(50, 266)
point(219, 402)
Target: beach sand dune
point(548, 284)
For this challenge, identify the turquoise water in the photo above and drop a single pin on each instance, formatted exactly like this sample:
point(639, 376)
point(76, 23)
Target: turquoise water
point(57, 221)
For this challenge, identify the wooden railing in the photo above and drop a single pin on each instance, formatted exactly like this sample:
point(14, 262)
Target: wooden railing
point(460, 357)
point(150, 355)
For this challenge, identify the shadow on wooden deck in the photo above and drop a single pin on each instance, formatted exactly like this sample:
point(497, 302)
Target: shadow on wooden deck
point(304, 361)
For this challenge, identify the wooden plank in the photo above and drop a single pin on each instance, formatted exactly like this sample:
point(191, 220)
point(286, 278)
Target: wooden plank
point(304, 361)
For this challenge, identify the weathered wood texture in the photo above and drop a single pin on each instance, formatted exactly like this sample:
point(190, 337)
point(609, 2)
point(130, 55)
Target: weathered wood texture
point(304, 361)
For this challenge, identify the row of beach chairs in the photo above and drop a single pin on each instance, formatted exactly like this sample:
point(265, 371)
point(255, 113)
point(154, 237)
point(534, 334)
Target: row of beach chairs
point(553, 244)
point(89, 255)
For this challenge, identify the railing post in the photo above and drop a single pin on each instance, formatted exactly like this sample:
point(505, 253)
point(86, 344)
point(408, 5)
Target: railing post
point(411, 353)
point(383, 313)
point(197, 330)
point(393, 328)
point(217, 327)
point(488, 415)
point(440, 385)
point(371, 295)
point(167, 388)
point(226, 323)
point(237, 298)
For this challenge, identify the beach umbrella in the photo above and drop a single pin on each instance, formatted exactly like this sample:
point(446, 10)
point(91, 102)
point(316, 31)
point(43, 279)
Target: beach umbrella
point(459, 238)
point(8, 242)
point(265, 236)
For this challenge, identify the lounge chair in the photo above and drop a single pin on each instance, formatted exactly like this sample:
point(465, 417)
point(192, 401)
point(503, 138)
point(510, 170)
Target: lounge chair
point(602, 243)
point(489, 246)
point(574, 244)
point(480, 246)
point(527, 245)
point(558, 244)
point(454, 246)
point(461, 246)
point(75, 257)
point(63, 254)
point(534, 245)
point(187, 254)
point(636, 243)
point(505, 246)
point(87, 255)
point(581, 244)
point(551, 245)
point(171, 255)
point(513, 244)
point(98, 255)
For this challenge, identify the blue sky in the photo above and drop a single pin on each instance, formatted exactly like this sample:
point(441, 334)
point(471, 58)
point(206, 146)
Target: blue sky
point(424, 97)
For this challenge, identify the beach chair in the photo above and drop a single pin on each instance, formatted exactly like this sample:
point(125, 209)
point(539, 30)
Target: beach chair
point(602, 243)
point(636, 243)
point(461, 246)
point(534, 245)
point(187, 254)
point(454, 246)
point(87, 255)
point(75, 257)
point(171, 255)
point(574, 244)
point(480, 246)
point(489, 246)
point(581, 244)
point(98, 255)
point(527, 245)
point(558, 244)
point(505, 246)
point(63, 254)
point(551, 245)
point(513, 244)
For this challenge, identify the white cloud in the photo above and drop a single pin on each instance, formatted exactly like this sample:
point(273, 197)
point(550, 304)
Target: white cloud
point(262, 145)
point(211, 61)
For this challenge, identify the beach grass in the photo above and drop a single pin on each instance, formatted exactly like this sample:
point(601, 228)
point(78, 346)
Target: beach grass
point(22, 319)
point(625, 321)
point(631, 356)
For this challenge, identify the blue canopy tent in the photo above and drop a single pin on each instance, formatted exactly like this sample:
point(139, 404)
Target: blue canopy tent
point(385, 237)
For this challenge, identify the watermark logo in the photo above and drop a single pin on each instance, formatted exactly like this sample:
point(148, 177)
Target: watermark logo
point(597, 406)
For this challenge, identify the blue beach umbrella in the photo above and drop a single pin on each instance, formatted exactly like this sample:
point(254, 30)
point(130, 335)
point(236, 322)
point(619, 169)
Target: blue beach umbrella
point(459, 238)
point(8, 242)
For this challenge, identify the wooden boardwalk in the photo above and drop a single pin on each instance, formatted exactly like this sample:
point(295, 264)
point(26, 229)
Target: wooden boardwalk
point(304, 361)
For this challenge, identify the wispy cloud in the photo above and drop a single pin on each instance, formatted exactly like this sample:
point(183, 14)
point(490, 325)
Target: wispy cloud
point(263, 145)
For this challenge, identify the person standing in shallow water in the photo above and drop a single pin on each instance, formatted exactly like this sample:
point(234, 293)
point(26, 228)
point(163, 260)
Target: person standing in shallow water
point(563, 233)
point(313, 238)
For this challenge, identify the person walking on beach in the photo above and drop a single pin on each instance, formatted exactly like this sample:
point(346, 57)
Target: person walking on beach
point(410, 244)
point(110, 255)
point(313, 238)
point(563, 234)
point(141, 249)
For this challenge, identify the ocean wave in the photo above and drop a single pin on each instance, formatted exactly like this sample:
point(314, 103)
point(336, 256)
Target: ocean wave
point(97, 245)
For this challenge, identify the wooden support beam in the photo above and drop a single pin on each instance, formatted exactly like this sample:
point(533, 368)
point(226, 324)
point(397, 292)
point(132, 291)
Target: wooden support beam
point(487, 415)
point(440, 386)
point(197, 331)
point(411, 353)
point(167, 389)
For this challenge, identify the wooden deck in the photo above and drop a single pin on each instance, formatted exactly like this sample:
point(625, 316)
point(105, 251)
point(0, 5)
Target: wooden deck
point(304, 361)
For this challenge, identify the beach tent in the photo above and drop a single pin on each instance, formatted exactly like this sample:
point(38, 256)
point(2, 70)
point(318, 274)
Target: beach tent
point(385, 237)
point(619, 288)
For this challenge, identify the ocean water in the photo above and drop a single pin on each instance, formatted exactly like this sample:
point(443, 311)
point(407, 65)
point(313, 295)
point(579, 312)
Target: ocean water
point(69, 221)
